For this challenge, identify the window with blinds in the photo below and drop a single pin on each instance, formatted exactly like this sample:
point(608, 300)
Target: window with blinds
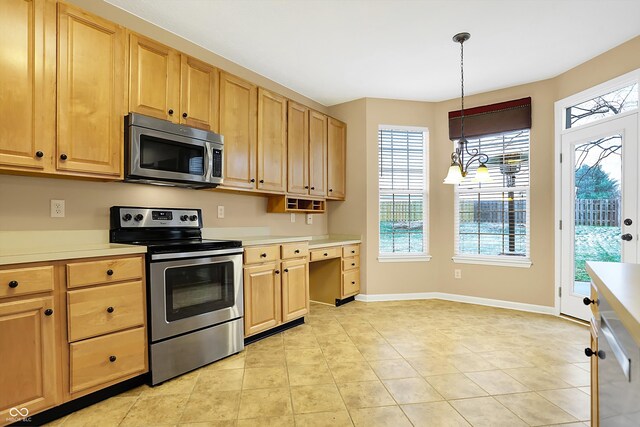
point(492, 219)
point(402, 179)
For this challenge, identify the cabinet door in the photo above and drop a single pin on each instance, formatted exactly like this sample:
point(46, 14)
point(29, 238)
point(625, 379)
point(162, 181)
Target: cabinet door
point(154, 79)
point(238, 110)
point(199, 94)
point(27, 85)
point(317, 154)
point(297, 149)
point(262, 308)
point(337, 159)
point(295, 289)
point(272, 141)
point(91, 93)
point(29, 371)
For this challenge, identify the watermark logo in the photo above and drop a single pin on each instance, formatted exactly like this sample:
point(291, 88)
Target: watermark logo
point(19, 414)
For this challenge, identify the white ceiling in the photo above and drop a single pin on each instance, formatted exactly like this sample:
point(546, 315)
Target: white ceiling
point(338, 50)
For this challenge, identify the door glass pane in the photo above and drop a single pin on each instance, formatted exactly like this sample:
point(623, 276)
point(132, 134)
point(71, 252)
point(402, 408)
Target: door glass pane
point(612, 103)
point(198, 289)
point(598, 205)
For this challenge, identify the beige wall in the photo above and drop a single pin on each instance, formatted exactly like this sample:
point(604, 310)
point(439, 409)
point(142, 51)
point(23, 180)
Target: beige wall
point(533, 285)
point(26, 205)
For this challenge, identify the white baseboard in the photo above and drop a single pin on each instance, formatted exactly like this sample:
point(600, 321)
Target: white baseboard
point(458, 298)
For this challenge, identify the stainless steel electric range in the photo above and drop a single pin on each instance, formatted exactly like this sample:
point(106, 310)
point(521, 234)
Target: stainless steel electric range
point(194, 288)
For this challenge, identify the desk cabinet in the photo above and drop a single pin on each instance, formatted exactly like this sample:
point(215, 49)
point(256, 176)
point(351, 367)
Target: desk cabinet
point(334, 273)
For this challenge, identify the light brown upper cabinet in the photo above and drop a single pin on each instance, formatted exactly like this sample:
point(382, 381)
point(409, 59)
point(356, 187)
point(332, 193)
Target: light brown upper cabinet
point(168, 85)
point(297, 149)
point(337, 159)
point(272, 141)
point(238, 114)
point(27, 85)
point(317, 154)
point(91, 93)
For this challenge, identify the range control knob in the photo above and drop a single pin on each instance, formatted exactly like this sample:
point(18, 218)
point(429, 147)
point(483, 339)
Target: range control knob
point(184, 217)
point(193, 217)
point(127, 217)
point(138, 217)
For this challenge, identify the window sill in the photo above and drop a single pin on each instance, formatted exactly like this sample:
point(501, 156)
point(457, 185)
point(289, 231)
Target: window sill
point(501, 261)
point(404, 258)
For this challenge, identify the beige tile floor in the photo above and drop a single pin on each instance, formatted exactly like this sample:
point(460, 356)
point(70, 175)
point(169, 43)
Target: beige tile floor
point(421, 363)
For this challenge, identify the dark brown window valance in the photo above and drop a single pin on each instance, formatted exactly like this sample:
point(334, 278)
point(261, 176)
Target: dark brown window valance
point(491, 119)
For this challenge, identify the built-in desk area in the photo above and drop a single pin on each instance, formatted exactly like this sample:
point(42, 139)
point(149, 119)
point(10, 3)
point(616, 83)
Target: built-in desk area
point(334, 270)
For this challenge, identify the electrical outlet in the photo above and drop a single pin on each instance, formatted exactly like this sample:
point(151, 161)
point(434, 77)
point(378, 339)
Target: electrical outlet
point(309, 219)
point(293, 217)
point(57, 208)
point(220, 211)
point(457, 273)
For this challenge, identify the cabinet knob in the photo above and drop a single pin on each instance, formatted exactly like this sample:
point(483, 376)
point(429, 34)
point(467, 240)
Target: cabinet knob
point(48, 312)
point(39, 154)
point(110, 310)
point(601, 354)
point(353, 251)
point(587, 301)
point(277, 271)
point(170, 112)
point(286, 270)
point(13, 284)
point(313, 188)
point(326, 254)
point(306, 187)
point(353, 264)
point(297, 251)
point(262, 181)
point(112, 359)
point(353, 283)
point(331, 190)
point(263, 255)
point(252, 180)
point(63, 156)
point(109, 272)
point(184, 115)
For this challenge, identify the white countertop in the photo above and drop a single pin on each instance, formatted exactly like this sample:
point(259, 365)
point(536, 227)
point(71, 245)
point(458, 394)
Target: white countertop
point(327, 241)
point(65, 251)
point(619, 283)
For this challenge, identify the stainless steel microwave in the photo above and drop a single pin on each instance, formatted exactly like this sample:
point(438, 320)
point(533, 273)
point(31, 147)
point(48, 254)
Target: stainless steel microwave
point(160, 152)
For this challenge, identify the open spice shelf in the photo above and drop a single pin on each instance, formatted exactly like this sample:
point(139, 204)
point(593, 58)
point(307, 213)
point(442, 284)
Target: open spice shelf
point(288, 204)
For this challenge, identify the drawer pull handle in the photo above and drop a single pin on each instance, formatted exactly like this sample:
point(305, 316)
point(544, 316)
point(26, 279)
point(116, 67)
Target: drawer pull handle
point(306, 187)
point(588, 352)
point(277, 271)
point(170, 111)
point(63, 156)
point(297, 251)
point(252, 180)
point(48, 312)
point(353, 264)
point(110, 310)
point(112, 359)
point(353, 283)
point(286, 270)
point(39, 154)
point(263, 255)
point(313, 188)
point(13, 284)
point(326, 254)
point(588, 301)
point(353, 252)
point(185, 115)
point(109, 272)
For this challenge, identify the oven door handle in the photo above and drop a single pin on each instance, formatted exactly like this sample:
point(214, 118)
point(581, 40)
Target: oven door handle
point(196, 254)
point(616, 349)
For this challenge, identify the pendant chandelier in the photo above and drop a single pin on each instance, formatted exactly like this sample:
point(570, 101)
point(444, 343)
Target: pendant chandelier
point(459, 166)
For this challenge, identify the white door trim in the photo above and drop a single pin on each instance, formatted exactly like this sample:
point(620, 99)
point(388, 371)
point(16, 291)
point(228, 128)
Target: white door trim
point(559, 107)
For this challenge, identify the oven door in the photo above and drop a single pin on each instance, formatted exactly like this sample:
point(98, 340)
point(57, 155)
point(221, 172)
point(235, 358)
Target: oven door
point(194, 293)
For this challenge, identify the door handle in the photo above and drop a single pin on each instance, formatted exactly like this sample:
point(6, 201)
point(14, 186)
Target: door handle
point(626, 237)
point(628, 221)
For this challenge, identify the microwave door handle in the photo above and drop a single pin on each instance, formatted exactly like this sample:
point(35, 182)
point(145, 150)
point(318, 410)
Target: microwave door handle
point(209, 163)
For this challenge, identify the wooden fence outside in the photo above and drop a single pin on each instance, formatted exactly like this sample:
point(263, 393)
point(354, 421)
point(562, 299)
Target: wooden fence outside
point(599, 212)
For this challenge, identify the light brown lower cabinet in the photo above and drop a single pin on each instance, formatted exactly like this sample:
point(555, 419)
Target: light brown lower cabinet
point(595, 412)
point(29, 373)
point(275, 291)
point(65, 332)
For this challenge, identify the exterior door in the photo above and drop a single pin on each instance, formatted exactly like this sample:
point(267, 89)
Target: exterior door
point(599, 203)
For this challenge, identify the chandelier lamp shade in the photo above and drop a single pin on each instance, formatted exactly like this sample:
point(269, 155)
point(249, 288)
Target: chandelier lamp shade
point(462, 158)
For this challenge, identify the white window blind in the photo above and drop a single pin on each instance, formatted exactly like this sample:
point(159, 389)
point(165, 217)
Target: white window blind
point(492, 219)
point(402, 189)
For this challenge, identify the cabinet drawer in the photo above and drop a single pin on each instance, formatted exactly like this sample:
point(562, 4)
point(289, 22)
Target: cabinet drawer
point(99, 360)
point(104, 271)
point(295, 250)
point(104, 309)
point(351, 250)
point(256, 254)
point(22, 281)
point(350, 263)
point(350, 283)
point(326, 253)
